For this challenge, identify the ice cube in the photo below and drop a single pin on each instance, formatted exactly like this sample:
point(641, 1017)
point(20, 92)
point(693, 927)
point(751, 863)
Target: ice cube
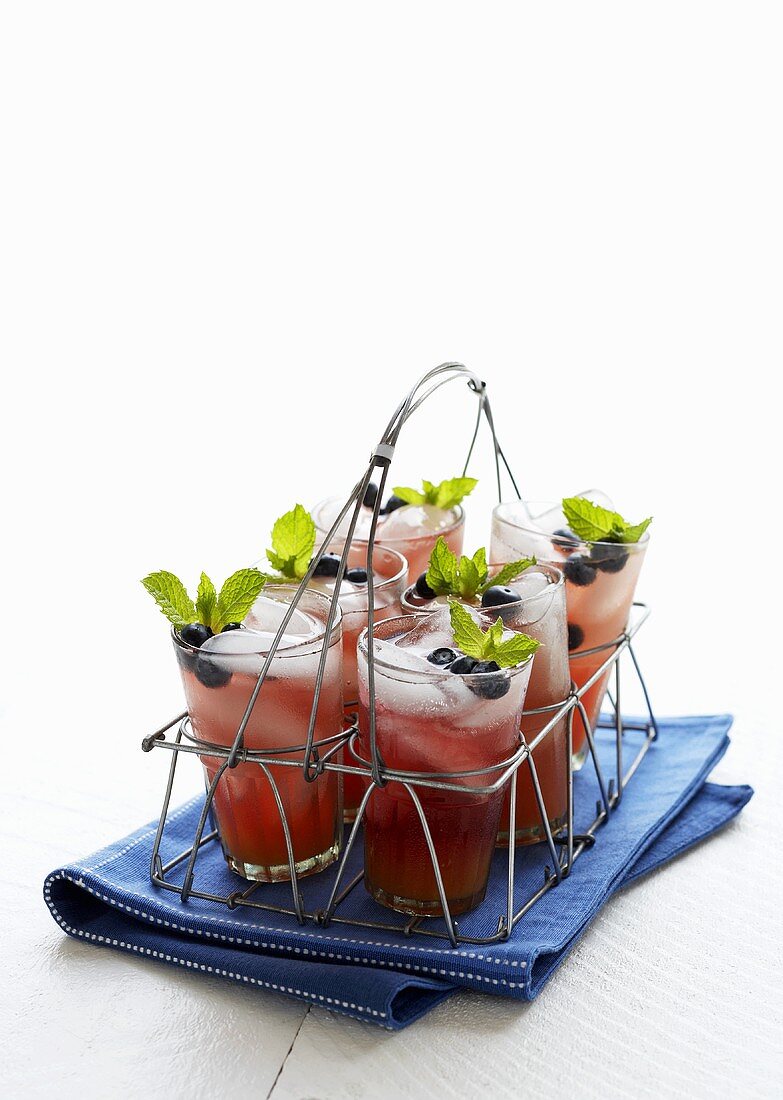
point(431, 632)
point(242, 650)
point(267, 614)
point(537, 594)
point(420, 519)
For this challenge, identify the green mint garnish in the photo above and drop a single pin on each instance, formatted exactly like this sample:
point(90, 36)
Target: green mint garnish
point(293, 539)
point(591, 523)
point(448, 494)
point(488, 645)
point(467, 577)
point(236, 597)
point(171, 597)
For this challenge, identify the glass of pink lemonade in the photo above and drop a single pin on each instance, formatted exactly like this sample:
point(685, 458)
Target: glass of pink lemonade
point(600, 582)
point(219, 677)
point(433, 719)
point(412, 529)
point(532, 602)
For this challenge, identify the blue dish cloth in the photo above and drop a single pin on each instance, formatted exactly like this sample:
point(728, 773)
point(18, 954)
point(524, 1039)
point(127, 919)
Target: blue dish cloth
point(379, 974)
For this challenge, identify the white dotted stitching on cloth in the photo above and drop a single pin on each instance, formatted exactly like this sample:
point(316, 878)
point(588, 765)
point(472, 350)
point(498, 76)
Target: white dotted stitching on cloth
point(264, 928)
point(393, 964)
point(190, 964)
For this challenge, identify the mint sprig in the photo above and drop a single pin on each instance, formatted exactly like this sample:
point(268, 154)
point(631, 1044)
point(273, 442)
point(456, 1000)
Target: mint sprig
point(447, 494)
point(293, 539)
point(236, 597)
point(467, 577)
point(592, 523)
point(488, 645)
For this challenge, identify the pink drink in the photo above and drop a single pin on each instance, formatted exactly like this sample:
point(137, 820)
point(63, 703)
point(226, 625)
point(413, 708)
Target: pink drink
point(411, 530)
point(600, 581)
point(430, 720)
point(218, 680)
point(390, 573)
point(540, 613)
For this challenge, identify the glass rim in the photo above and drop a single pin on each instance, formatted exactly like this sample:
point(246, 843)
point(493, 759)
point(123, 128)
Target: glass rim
point(392, 542)
point(395, 579)
point(299, 649)
point(403, 567)
point(554, 503)
point(436, 673)
point(545, 566)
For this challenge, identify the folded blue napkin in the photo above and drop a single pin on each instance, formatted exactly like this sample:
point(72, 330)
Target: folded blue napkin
point(381, 975)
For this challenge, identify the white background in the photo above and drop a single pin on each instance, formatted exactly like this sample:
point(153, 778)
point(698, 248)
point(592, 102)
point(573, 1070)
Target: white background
point(231, 237)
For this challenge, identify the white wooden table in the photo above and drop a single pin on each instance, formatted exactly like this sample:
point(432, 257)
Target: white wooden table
point(674, 990)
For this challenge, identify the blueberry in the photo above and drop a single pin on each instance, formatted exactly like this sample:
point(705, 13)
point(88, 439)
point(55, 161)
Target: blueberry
point(463, 665)
point(608, 556)
point(564, 538)
point(575, 636)
point(195, 634)
point(356, 575)
point(210, 673)
point(392, 504)
point(231, 626)
point(499, 594)
point(443, 657)
point(489, 687)
point(370, 495)
point(579, 571)
point(423, 589)
point(327, 566)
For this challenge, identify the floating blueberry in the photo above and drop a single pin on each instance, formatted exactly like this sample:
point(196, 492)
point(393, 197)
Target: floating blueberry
point(423, 589)
point(392, 504)
point(608, 556)
point(499, 594)
point(356, 575)
point(327, 566)
point(575, 636)
point(579, 571)
point(195, 634)
point(490, 686)
point(370, 495)
point(210, 673)
point(231, 626)
point(564, 538)
point(463, 665)
point(442, 657)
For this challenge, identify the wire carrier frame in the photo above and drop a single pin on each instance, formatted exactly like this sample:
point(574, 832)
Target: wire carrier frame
point(313, 757)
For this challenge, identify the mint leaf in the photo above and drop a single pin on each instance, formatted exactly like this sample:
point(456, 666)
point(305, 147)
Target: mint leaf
point(450, 493)
point(410, 496)
point(206, 602)
point(633, 533)
point(591, 523)
point(468, 635)
point(237, 596)
point(514, 650)
point(447, 494)
point(442, 571)
point(467, 578)
point(171, 597)
point(508, 572)
point(487, 645)
point(293, 539)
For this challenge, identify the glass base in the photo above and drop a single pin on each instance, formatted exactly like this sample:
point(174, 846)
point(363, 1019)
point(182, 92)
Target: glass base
point(281, 872)
point(415, 908)
point(532, 834)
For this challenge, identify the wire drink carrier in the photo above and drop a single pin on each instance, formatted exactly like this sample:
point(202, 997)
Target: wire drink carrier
point(316, 757)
